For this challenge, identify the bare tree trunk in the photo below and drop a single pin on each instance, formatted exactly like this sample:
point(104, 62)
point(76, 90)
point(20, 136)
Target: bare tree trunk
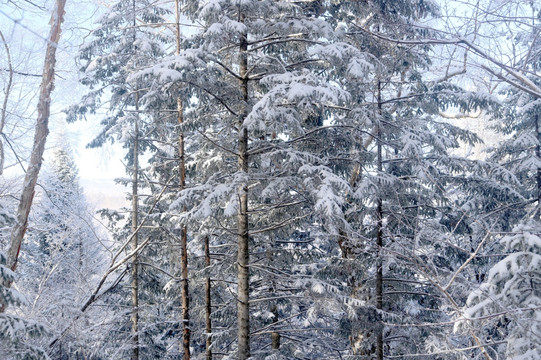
point(379, 261)
point(40, 136)
point(5, 102)
point(538, 154)
point(359, 336)
point(135, 238)
point(134, 219)
point(184, 231)
point(208, 303)
point(243, 256)
point(184, 249)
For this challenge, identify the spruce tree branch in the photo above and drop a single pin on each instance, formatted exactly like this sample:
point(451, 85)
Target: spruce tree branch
point(311, 42)
point(159, 269)
point(255, 332)
point(293, 330)
point(220, 100)
point(273, 38)
point(480, 346)
point(226, 68)
point(421, 266)
point(253, 301)
point(460, 115)
point(217, 145)
point(280, 224)
point(302, 137)
point(505, 207)
point(127, 242)
point(274, 207)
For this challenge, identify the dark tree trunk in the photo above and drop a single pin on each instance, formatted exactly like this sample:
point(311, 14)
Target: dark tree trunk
point(185, 295)
point(135, 239)
point(208, 302)
point(379, 261)
point(184, 249)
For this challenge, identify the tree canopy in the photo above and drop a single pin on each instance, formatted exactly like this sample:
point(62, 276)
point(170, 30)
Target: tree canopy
point(306, 180)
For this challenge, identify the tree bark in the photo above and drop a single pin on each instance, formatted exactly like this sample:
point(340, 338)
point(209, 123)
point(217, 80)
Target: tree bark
point(184, 249)
point(275, 335)
point(208, 302)
point(40, 137)
point(243, 256)
point(538, 154)
point(185, 295)
point(379, 261)
point(135, 239)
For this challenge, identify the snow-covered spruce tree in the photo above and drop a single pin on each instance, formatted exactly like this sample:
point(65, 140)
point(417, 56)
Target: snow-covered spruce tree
point(506, 307)
point(127, 40)
point(500, 299)
point(167, 101)
point(520, 124)
point(520, 153)
point(406, 182)
point(301, 147)
point(276, 104)
point(61, 256)
point(18, 334)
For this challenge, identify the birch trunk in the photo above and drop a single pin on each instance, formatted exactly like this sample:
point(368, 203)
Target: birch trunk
point(40, 137)
point(243, 256)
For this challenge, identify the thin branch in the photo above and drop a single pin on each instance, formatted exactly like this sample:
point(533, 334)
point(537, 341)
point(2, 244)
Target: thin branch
point(6, 98)
point(115, 265)
point(312, 42)
point(227, 69)
point(214, 96)
point(442, 352)
point(527, 84)
point(22, 73)
point(280, 224)
point(218, 145)
point(512, 83)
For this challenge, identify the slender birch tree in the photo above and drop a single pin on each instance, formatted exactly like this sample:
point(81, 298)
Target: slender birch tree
point(40, 137)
